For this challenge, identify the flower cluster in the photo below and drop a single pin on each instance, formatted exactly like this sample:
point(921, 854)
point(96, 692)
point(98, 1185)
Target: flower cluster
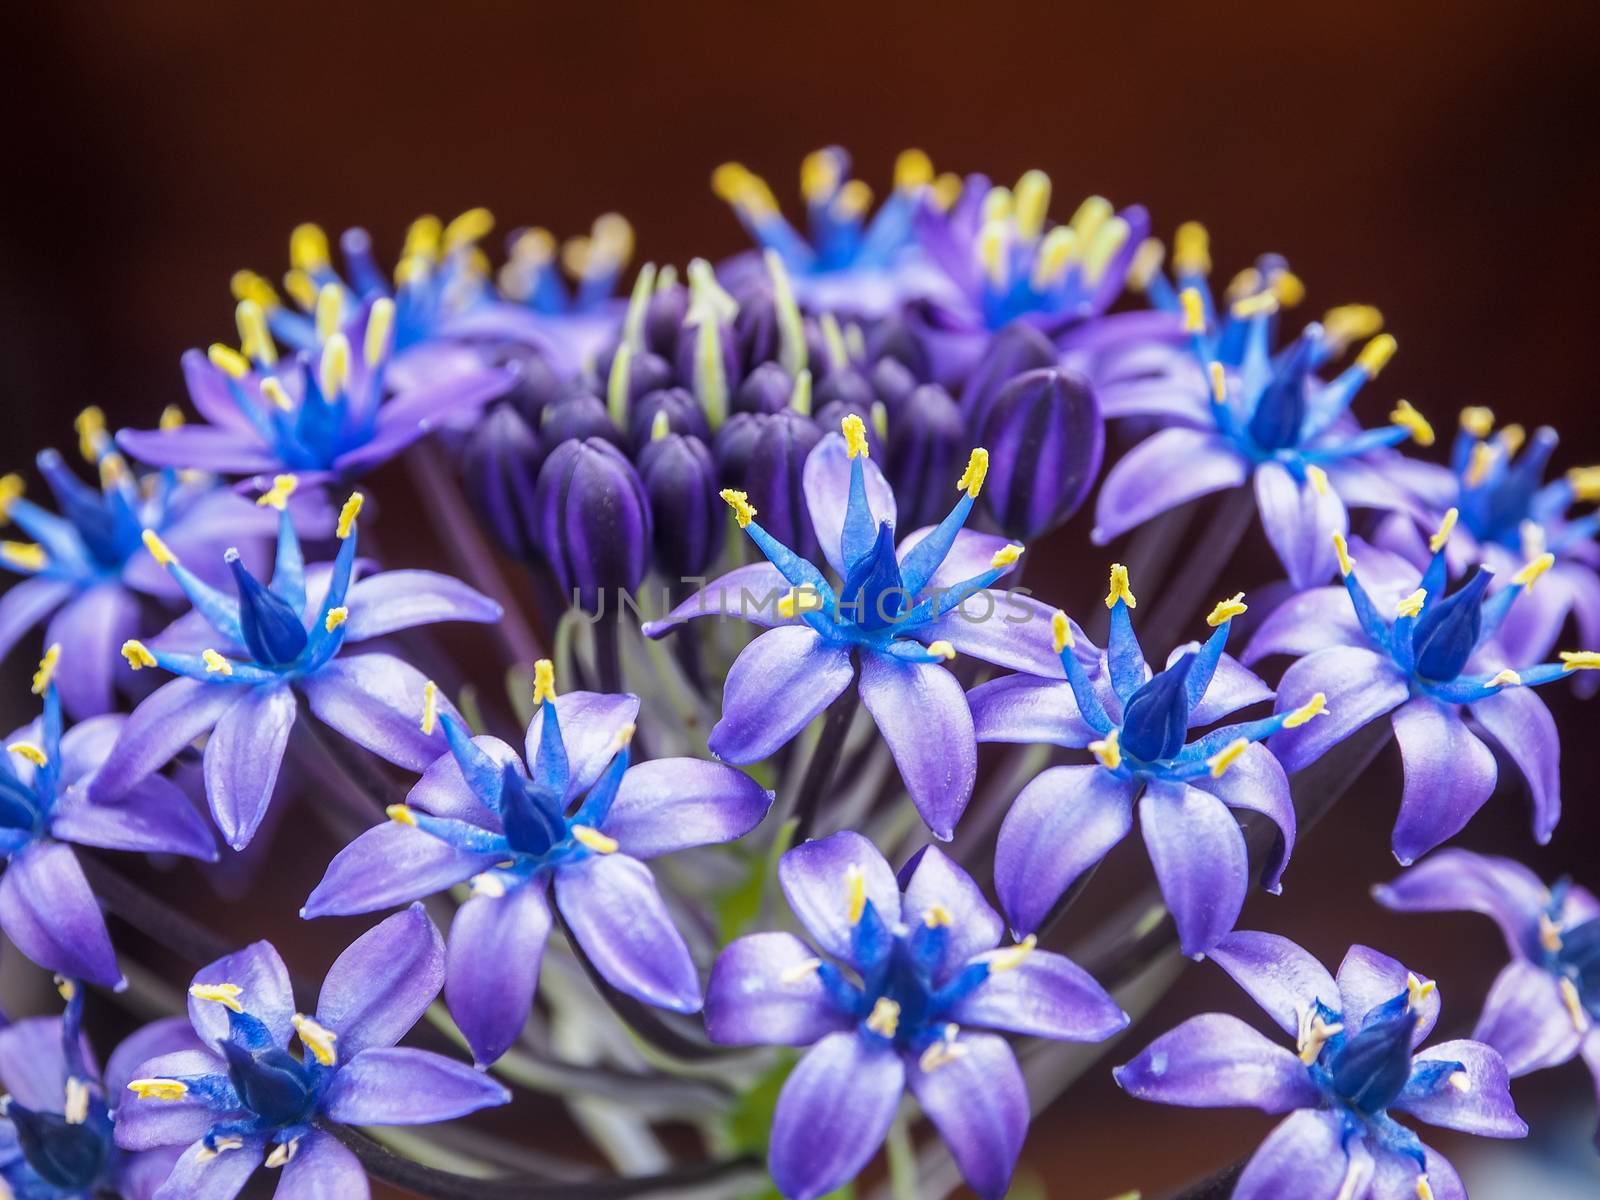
point(857, 437)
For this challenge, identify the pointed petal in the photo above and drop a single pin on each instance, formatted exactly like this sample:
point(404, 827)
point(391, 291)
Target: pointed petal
point(1359, 684)
point(1522, 726)
point(814, 877)
point(26, 604)
point(265, 993)
point(167, 1035)
point(322, 1169)
point(1232, 687)
point(826, 480)
point(143, 1124)
point(833, 1113)
point(1006, 629)
point(590, 723)
point(1527, 1021)
point(1300, 521)
point(154, 817)
point(492, 966)
point(1047, 996)
point(1459, 880)
point(1217, 1061)
point(1313, 620)
point(48, 911)
point(375, 700)
point(391, 864)
point(1449, 773)
point(777, 685)
point(922, 714)
point(1198, 853)
point(1279, 976)
point(1368, 978)
point(749, 593)
point(1023, 709)
point(1483, 1106)
point(395, 600)
point(91, 628)
point(383, 982)
point(401, 1086)
point(199, 447)
point(166, 721)
point(978, 1102)
point(216, 1177)
point(973, 925)
point(33, 1067)
point(761, 992)
point(673, 803)
point(1306, 1157)
point(1165, 470)
point(611, 904)
point(1256, 783)
point(243, 757)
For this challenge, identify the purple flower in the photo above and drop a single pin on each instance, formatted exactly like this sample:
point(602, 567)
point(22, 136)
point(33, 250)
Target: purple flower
point(899, 610)
point(1353, 1063)
point(1136, 724)
point(46, 782)
point(245, 1096)
point(87, 568)
point(575, 816)
point(241, 659)
point(1544, 1005)
point(1428, 665)
point(1238, 412)
point(1046, 438)
point(911, 970)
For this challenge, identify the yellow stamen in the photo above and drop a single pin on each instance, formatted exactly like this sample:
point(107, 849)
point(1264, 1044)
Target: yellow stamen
point(1424, 1188)
point(422, 238)
point(971, 481)
point(1477, 421)
point(885, 1017)
point(1101, 248)
point(113, 470)
point(1411, 605)
point(348, 515)
point(487, 884)
point(159, 550)
point(1461, 1081)
point(1314, 1034)
point(1194, 311)
point(1061, 632)
point(45, 675)
point(1511, 439)
point(380, 324)
point(254, 336)
point(743, 511)
point(1318, 479)
point(1005, 556)
point(942, 649)
point(228, 360)
point(276, 395)
point(1342, 547)
point(1009, 958)
point(937, 916)
point(1506, 678)
point(1316, 706)
point(1347, 323)
point(277, 496)
point(302, 288)
point(1417, 990)
point(993, 242)
point(912, 169)
point(401, 814)
point(947, 188)
point(28, 556)
point(1585, 483)
point(430, 707)
point(1574, 1003)
point(1032, 202)
point(1119, 588)
point(1288, 288)
point(855, 893)
point(225, 994)
point(308, 247)
point(1550, 934)
point(1581, 660)
point(1227, 756)
point(1108, 750)
point(336, 617)
point(799, 600)
point(159, 1089)
point(1259, 305)
point(855, 436)
point(1437, 542)
point(1530, 572)
point(943, 1052)
point(471, 226)
point(1246, 283)
point(1227, 610)
point(76, 1111)
point(137, 655)
point(853, 200)
point(283, 1153)
point(1375, 355)
point(544, 681)
point(28, 751)
point(594, 839)
point(247, 285)
point(1478, 464)
point(800, 973)
point(219, 1146)
point(1191, 249)
point(1147, 260)
point(215, 663)
point(1413, 422)
point(65, 987)
point(660, 426)
point(317, 1038)
point(1056, 254)
point(11, 489)
point(333, 369)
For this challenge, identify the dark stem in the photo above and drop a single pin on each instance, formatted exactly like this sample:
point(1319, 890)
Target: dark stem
point(158, 921)
point(1218, 1187)
point(1204, 565)
point(608, 649)
point(824, 759)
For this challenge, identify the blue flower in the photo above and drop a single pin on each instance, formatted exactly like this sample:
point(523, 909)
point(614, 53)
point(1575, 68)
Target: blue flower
point(246, 1095)
point(47, 778)
point(577, 816)
point(242, 658)
point(1240, 411)
point(1353, 1063)
point(912, 970)
point(1136, 724)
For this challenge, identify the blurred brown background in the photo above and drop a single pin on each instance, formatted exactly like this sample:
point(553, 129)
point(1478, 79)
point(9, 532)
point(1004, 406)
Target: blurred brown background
point(1436, 160)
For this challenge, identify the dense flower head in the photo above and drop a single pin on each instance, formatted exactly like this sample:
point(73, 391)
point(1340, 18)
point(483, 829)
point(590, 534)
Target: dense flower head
point(1355, 1060)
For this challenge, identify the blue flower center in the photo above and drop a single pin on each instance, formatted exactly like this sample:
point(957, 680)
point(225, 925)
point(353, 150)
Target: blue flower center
point(1156, 720)
point(68, 1155)
point(272, 628)
point(1447, 631)
point(277, 1087)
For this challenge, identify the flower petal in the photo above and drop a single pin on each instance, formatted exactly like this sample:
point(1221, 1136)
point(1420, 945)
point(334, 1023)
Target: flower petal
point(1199, 856)
point(396, 1085)
point(263, 980)
point(199, 447)
point(1359, 684)
point(978, 1102)
point(611, 904)
point(322, 1169)
point(1522, 726)
point(1300, 521)
point(1307, 1157)
point(777, 685)
point(1217, 1061)
point(1256, 783)
point(762, 992)
point(1312, 620)
point(590, 723)
point(814, 877)
point(166, 721)
point(1449, 773)
point(443, 790)
point(922, 714)
point(1397, 1175)
point(375, 700)
point(391, 864)
point(826, 481)
point(1368, 978)
point(672, 803)
point(1483, 1106)
point(199, 1172)
point(1458, 880)
point(972, 925)
point(154, 817)
point(1060, 825)
point(25, 604)
point(383, 982)
point(91, 628)
point(749, 593)
point(1023, 709)
point(1045, 995)
point(243, 756)
point(48, 911)
point(1279, 976)
point(833, 1113)
point(1165, 470)
point(146, 1123)
point(492, 966)
point(167, 1035)
point(395, 600)
point(1006, 629)
point(1527, 1021)
point(1232, 687)
point(33, 1067)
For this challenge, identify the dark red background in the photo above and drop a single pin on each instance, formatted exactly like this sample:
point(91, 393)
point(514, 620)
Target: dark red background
point(1436, 160)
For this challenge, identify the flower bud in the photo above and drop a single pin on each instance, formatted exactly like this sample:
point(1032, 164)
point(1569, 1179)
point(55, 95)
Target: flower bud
point(576, 415)
point(848, 386)
point(892, 382)
point(682, 410)
point(1045, 437)
point(1017, 348)
point(755, 331)
point(689, 517)
point(647, 373)
point(499, 466)
point(663, 320)
point(893, 340)
point(537, 384)
point(593, 520)
point(768, 388)
point(763, 454)
point(689, 346)
point(926, 453)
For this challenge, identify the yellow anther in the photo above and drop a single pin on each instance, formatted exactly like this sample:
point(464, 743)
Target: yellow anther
point(1574, 1003)
point(1550, 934)
point(1461, 1081)
point(855, 893)
point(215, 663)
point(1219, 382)
point(937, 916)
point(997, 205)
point(623, 737)
point(853, 200)
point(28, 751)
point(1119, 588)
point(1506, 678)
point(11, 490)
point(333, 368)
point(225, 994)
point(1005, 556)
point(1061, 632)
point(159, 1089)
point(308, 247)
point(799, 600)
point(348, 515)
point(471, 226)
point(660, 426)
point(26, 556)
point(1246, 283)
point(317, 1038)
point(1580, 660)
point(1316, 706)
point(1108, 750)
point(912, 169)
point(855, 436)
point(819, 176)
point(1585, 483)
point(45, 675)
point(283, 1153)
point(1477, 421)
point(422, 238)
point(1227, 610)
point(1342, 548)
point(884, 1019)
point(1056, 254)
point(487, 884)
point(336, 617)
point(247, 285)
point(942, 649)
point(65, 987)
point(941, 1053)
point(76, 1111)
point(277, 496)
point(113, 470)
point(1288, 288)
point(380, 325)
point(971, 481)
point(1375, 355)
point(947, 188)
point(1314, 1034)
point(1147, 260)
point(743, 511)
point(218, 1147)
point(1261, 304)
point(137, 654)
point(1194, 311)
point(1191, 249)
point(430, 707)
point(1227, 756)
point(1032, 201)
point(91, 428)
point(254, 336)
point(800, 973)
point(1530, 572)
point(594, 840)
point(1424, 1188)
point(228, 360)
point(1411, 605)
point(1351, 322)
point(1417, 990)
point(159, 550)
point(994, 240)
point(1413, 422)
point(1318, 479)
point(1511, 439)
point(401, 814)
point(1442, 535)
point(302, 288)
point(1478, 464)
point(1091, 216)
point(1107, 241)
point(544, 681)
point(1009, 958)
point(276, 395)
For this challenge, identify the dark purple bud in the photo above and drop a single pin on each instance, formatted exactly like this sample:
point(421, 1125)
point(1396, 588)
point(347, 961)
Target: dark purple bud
point(663, 320)
point(894, 340)
point(647, 373)
point(755, 331)
point(537, 384)
point(766, 389)
point(763, 454)
point(891, 382)
point(499, 466)
point(927, 451)
point(576, 415)
point(1045, 438)
point(680, 477)
point(848, 386)
point(1017, 348)
point(682, 411)
point(594, 520)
